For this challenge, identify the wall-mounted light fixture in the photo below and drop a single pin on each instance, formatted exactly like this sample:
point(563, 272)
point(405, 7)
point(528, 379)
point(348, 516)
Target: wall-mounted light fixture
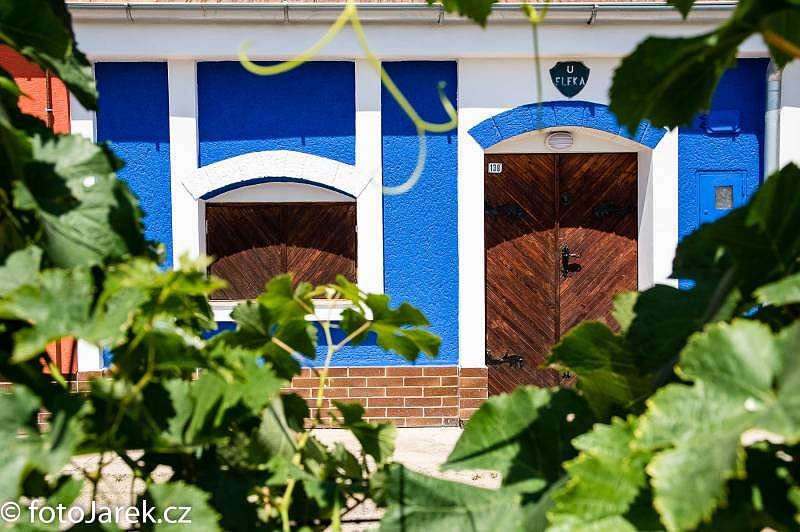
point(559, 140)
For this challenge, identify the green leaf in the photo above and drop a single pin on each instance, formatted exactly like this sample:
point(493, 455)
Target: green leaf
point(395, 330)
point(41, 31)
point(783, 292)
point(58, 304)
point(603, 363)
point(755, 245)
point(217, 401)
point(420, 502)
point(20, 268)
point(744, 391)
point(180, 496)
point(477, 10)
point(780, 33)
point(687, 498)
point(668, 80)
point(624, 303)
point(684, 6)
point(87, 215)
point(376, 439)
point(523, 435)
point(55, 306)
point(604, 480)
point(24, 451)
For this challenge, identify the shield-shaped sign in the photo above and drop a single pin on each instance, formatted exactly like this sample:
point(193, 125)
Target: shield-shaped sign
point(569, 77)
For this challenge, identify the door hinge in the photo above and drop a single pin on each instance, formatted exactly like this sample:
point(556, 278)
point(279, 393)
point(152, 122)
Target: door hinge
point(515, 361)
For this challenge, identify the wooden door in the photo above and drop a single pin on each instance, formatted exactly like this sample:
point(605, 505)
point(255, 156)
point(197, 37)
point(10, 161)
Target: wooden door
point(537, 208)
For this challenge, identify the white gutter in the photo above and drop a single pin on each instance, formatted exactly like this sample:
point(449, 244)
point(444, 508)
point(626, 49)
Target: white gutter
point(312, 12)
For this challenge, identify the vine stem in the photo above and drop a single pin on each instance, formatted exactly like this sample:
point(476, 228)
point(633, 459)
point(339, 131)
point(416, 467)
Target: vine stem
point(332, 348)
point(350, 15)
point(781, 43)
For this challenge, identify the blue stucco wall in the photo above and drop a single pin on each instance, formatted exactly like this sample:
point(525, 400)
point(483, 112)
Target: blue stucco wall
point(310, 109)
point(133, 117)
point(420, 227)
point(576, 113)
point(739, 104)
point(741, 89)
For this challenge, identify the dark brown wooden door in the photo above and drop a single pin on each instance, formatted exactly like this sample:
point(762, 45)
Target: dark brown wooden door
point(252, 242)
point(538, 207)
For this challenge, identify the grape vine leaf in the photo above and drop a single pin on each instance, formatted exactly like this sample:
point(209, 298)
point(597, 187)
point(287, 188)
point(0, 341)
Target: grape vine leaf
point(179, 496)
point(477, 10)
point(41, 31)
point(399, 330)
point(744, 391)
point(420, 502)
point(783, 292)
point(524, 435)
point(376, 439)
point(604, 479)
point(669, 80)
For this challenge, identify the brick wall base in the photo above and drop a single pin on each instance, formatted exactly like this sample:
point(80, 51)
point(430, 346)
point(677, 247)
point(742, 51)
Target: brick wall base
point(418, 396)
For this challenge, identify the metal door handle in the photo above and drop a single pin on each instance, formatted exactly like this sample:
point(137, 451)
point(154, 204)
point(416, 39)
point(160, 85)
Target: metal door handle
point(566, 267)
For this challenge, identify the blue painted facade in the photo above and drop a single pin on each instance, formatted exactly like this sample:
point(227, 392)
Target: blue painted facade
point(724, 147)
point(574, 113)
point(310, 109)
point(420, 227)
point(133, 117)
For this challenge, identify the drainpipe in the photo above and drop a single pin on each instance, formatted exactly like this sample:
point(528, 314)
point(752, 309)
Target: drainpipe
point(772, 121)
point(48, 87)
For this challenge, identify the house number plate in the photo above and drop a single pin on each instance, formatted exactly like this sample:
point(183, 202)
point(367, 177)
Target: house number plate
point(495, 168)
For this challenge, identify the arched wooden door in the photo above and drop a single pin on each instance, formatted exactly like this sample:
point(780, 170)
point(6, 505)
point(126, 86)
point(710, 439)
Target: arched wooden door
point(561, 240)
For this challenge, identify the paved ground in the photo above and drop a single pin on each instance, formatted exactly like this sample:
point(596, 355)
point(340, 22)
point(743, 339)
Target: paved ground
point(420, 449)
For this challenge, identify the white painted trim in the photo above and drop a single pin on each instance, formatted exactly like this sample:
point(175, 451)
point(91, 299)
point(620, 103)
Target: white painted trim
point(657, 212)
point(214, 40)
point(81, 120)
point(90, 356)
point(790, 115)
point(664, 183)
point(324, 310)
point(281, 192)
point(275, 164)
point(471, 260)
point(186, 210)
point(369, 162)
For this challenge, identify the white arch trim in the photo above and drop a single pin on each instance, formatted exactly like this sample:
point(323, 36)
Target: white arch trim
point(253, 166)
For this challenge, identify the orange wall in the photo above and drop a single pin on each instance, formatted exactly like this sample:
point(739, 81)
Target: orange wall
point(32, 82)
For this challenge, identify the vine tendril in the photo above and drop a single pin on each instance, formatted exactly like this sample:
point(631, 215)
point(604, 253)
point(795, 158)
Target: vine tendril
point(350, 15)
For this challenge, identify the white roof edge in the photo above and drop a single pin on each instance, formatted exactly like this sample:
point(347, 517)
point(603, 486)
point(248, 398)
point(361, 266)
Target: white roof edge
point(411, 13)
